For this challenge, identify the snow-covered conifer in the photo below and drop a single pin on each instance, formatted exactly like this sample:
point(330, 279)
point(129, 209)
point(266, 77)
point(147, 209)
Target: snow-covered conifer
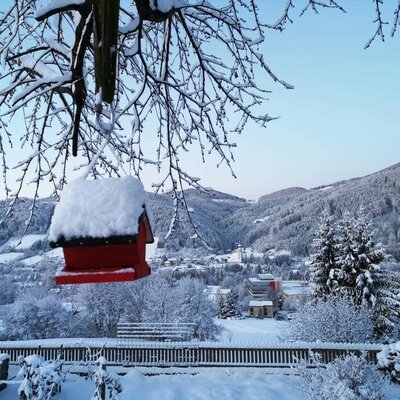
point(360, 276)
point(386, 310)
point(228, 307)
point(345, 275)
point(324, 259)
point(389, 361)
point(367, 260)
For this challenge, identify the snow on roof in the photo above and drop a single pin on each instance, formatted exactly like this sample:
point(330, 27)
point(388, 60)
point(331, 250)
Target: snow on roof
point(99, 208)
point(265, 276)
point(255, 280)
point(260, 303)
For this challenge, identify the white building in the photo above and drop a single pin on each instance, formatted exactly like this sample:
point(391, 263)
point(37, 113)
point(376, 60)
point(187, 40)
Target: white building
point(261, 308)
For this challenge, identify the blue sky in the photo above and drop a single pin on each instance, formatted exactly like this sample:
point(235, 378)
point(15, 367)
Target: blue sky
point(340, 121)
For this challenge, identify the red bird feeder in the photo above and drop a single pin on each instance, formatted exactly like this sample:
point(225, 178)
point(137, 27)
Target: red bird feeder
point(103, 227)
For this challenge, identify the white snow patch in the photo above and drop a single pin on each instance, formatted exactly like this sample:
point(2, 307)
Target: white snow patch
point(252, 330)
point(257, 221)
point(24, 243)
point(7, 257)
point(276, 253)
point(194, 383)
point(221, 200)
point(99, 208)
point(55, 253)
point(54, 5)
point(151, 249)
point(167, 5)
point(296, 288)
point(325, 188)
point(183, 384)
point(32, 260)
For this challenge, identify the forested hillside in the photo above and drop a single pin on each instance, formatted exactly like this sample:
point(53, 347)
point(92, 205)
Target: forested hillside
point(288, 219)
point(285, 219)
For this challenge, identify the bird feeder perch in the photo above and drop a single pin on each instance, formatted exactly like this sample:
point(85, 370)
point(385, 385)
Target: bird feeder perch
point(103, 227)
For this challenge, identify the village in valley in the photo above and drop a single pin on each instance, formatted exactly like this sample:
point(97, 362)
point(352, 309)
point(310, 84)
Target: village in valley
point(264, 293)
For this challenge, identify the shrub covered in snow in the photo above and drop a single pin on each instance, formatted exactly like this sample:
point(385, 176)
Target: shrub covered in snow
point(335, 319)
point(41, 380)
point(35, 315)
point(389, 361)
point(349, 378)
point(105, 383)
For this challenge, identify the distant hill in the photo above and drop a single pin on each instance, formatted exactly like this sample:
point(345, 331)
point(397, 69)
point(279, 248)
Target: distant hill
point(289, 218)
point(286, 219)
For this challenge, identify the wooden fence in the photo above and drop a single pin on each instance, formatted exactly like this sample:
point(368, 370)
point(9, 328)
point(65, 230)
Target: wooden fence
point(192, 355)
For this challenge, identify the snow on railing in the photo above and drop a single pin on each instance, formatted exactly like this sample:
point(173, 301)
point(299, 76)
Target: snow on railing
point(198, 353)
point(115, 342)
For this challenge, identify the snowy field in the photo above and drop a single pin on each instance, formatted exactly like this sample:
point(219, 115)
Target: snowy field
point(194, 384)
point(7, 257)
point(252, 330)
point(207, 384)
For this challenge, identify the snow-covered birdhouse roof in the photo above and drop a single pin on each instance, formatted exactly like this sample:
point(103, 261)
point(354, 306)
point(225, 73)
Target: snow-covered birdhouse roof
point(101, 208)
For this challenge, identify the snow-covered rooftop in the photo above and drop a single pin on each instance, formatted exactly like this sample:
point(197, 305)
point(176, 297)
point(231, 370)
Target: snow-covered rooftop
point(265, 276)
point(99, 208)
point(260, 303)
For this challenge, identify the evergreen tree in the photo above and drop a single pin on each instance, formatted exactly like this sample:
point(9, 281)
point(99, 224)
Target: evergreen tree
point(360, 276)
point(346, 262)
point(387, 307)
point(324, 260)
point(228, 307)
point(367, 260)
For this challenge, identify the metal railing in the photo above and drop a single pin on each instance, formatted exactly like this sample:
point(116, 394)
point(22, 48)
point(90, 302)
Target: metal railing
point(195, 354)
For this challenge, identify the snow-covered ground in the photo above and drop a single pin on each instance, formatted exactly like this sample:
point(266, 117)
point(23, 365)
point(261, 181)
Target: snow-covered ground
point(194, 384)
point(205, 384)
point(7, 257)
point(55, 253)
point(26, 242)
point(32, 260)
point(295, 289)
point(151, 249)
point(252, 330)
